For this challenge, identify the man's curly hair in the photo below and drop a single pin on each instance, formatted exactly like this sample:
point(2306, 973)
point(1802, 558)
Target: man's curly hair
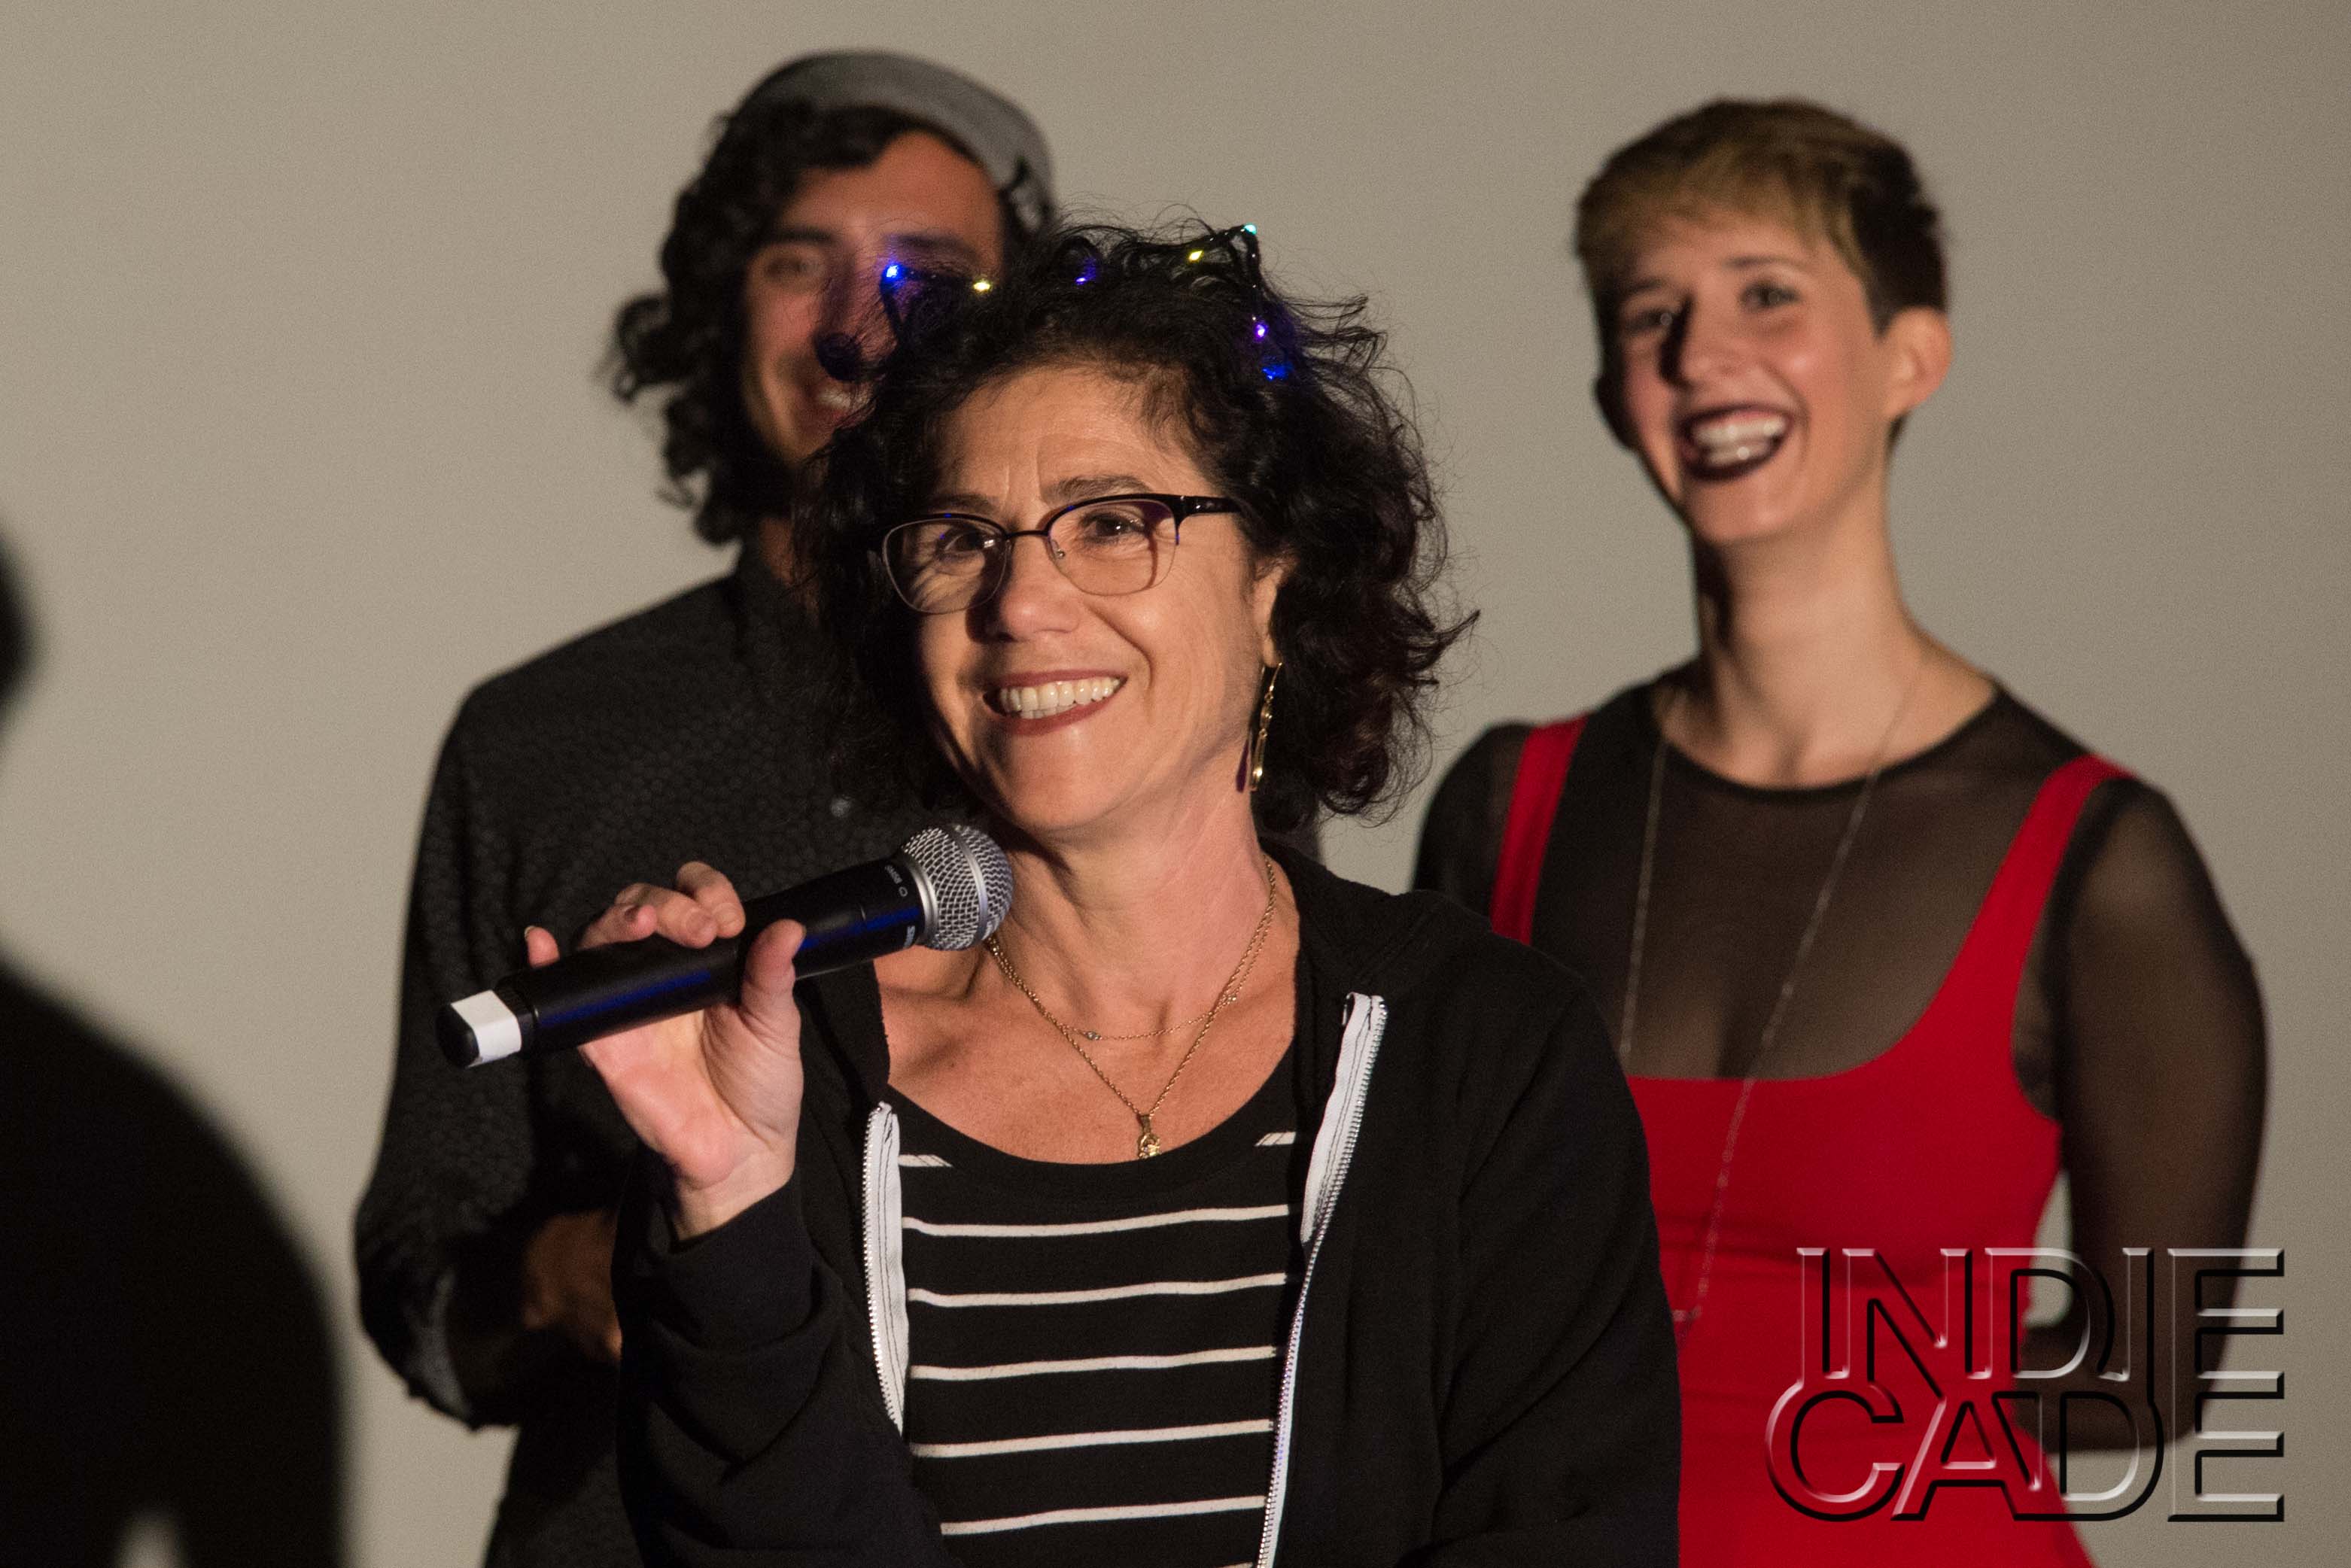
point(686, 338)
point(1288, 406)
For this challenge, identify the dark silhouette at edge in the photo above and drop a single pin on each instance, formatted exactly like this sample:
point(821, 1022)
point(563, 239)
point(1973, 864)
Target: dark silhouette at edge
point(164, 1347)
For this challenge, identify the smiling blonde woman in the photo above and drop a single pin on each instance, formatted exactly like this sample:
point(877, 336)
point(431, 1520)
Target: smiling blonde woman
point(1882, 947)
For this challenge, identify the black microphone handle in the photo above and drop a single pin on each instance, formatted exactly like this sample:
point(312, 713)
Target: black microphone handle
point(853, 916)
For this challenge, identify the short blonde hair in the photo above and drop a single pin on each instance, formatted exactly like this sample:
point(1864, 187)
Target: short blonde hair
point(1829, 177)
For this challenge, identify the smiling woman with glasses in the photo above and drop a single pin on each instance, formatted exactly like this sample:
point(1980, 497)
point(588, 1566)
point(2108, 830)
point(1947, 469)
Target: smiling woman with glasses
point(1217, 1211)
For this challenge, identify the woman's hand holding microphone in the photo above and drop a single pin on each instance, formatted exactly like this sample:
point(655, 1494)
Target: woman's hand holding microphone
point(717, 1093)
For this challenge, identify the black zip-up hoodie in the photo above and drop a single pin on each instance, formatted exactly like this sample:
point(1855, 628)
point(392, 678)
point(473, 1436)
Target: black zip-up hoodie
point(1480, 1368)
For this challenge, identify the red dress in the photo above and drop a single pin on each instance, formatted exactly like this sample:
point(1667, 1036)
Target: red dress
point(1927, 1147)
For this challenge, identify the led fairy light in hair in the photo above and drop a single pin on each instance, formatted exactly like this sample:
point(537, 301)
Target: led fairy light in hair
point(912, 296)
point(1276, 363)
point(901, 289)
point(1275, 367)
point(1242, 245)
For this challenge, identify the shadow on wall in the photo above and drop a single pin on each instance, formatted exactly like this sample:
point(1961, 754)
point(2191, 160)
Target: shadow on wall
point(165, 1354)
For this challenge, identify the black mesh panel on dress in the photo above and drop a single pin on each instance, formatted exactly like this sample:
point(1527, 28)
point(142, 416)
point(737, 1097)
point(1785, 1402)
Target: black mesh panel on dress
point(1737, 868)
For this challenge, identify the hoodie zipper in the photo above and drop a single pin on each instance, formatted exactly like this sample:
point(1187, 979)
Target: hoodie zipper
point(886, 1261)
point(1326, 1173)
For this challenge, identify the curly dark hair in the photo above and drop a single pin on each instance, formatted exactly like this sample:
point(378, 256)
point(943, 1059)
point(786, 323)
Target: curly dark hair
point(1290, 408)
point(688, 336)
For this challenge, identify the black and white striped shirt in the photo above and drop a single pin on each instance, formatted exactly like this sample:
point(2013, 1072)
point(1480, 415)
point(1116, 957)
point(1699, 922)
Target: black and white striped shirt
point(1095, 1350)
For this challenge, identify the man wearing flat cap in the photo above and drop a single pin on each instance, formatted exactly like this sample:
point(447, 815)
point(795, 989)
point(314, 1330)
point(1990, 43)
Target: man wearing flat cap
point(683, 732)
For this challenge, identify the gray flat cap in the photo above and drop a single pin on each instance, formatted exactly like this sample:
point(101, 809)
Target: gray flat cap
point(994, 130)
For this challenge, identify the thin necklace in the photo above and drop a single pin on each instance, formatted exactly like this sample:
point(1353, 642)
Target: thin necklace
point(1685, 1317)
point(1147, 1139)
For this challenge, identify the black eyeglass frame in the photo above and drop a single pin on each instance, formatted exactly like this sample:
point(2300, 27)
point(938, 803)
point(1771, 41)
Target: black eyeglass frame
point(999, 561)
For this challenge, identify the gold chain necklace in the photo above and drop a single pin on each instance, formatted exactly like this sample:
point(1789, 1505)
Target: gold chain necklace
point(1146, 1140)
point(1684, 1317)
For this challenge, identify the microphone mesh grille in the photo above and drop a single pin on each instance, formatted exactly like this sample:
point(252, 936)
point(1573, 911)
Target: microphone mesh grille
point(971, 883)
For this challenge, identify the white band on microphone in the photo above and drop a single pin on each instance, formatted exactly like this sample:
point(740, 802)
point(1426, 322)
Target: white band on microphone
point(497, 1033)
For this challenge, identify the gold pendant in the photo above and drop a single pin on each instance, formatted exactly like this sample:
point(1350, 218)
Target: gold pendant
point(1147, 1145)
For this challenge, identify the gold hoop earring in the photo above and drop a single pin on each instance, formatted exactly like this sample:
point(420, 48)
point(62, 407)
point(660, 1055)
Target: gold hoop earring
point(1253, 760)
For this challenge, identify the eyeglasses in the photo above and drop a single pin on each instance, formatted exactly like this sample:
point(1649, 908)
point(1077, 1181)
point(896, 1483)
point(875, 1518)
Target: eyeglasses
point(1107, 545)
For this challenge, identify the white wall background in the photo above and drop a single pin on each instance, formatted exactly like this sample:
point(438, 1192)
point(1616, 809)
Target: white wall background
point(300, 307)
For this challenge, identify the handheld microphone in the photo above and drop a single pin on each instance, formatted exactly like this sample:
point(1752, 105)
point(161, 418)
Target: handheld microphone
point(947, 887)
